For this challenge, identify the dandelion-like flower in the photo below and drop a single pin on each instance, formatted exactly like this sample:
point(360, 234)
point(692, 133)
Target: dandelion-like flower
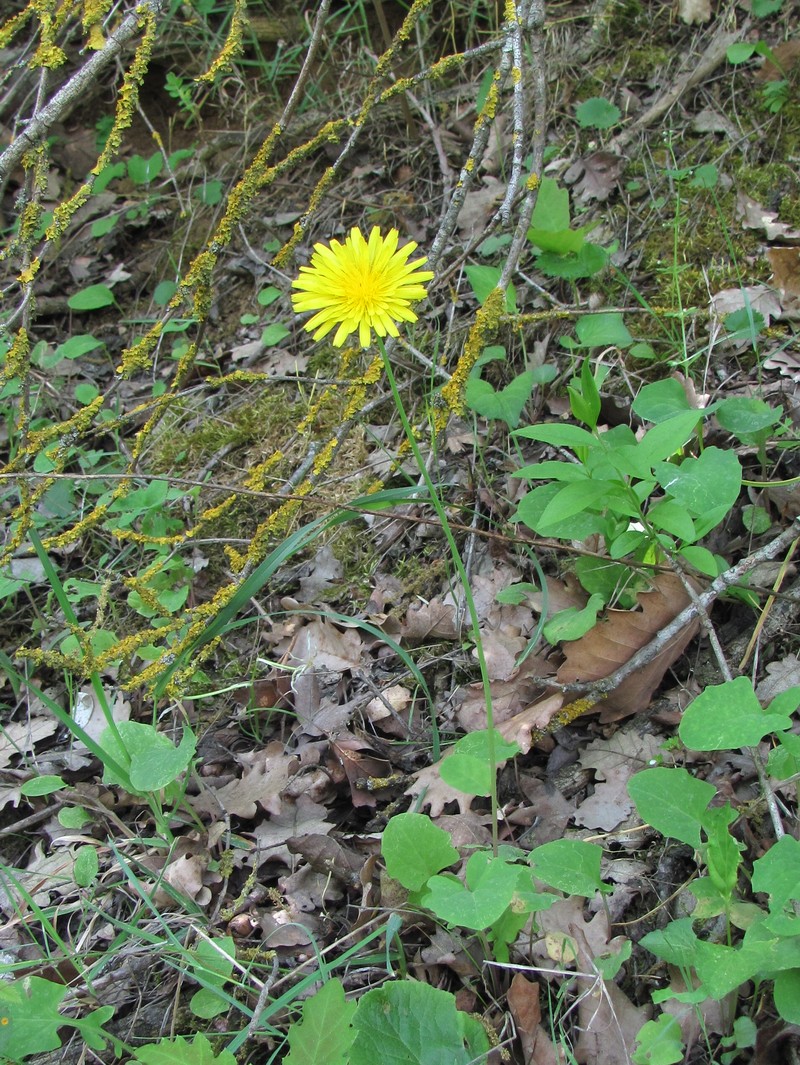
point(359, 286)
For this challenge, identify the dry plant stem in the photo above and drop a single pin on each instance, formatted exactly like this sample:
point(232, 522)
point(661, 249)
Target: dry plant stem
point(262, 999)
point(455, 554)
point(302, 78)
point(527, 15)
point(768, 605)
point(76, 89)
point(539, 89)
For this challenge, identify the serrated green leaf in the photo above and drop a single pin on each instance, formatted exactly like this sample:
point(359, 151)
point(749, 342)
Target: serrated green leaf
point(414, 849)
point(29, 1017)
point(180, 1052)
point(412, 1023)
point(324, 1034)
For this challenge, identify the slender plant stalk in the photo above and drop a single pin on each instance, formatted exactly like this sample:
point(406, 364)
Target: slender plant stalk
point(441, 514)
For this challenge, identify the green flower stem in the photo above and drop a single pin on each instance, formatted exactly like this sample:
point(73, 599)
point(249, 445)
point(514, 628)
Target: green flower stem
point(441, 514)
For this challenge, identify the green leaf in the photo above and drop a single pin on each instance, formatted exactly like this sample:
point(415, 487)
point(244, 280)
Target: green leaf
point(505, 405)
point(762, 8)
point(267, 296)
point(532, 505)
point(602, 330)
point(707, 486)
point(777, 873)
point(142, 171)
point(722, 969)
point(786, 994)
point(412, 1023)
point(490, 887)
point(484, 280)
point(43, 785)
point(414, 849)
point(705, 177)
point(672, 518)
point(559, 435)
point(180, 1052)
point(659, 1042)
point(744, 415)
point(597, 113)
point(672, 801)
point(702, 560)
point(661, 400)
point(675, 944)
point(574, 499)
point(86, 865)
point(740, 52)
point(722, 853)
point(468, 766)
point(73, 817)
point(29, 1017)
point(566, 472)
point(588, 261)
point(274, 334)
point(91, 298)
point(155, 761)
point(728, 716)
point(551, 213)
point(163, 292)
point(213, 963)
point(324, 1034)
point(666, 438)
point(571, 865)
point(572, 623)
point(78, 345)
point(101, 226)
point(756, 519)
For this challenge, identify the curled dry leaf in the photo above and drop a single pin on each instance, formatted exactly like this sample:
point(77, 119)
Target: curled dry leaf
point(618, 636)
point(597, 175)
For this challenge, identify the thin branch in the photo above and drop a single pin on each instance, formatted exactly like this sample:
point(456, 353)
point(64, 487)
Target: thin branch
point(663, 637)
point(75, 90)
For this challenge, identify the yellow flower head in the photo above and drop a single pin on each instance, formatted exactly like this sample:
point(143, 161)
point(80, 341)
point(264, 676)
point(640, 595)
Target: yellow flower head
point(360, 285)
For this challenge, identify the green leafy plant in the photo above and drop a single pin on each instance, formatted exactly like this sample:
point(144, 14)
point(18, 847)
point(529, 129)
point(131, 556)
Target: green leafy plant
point(597, 113)
point(562, 251)
point(645, 497)
point(762, 941)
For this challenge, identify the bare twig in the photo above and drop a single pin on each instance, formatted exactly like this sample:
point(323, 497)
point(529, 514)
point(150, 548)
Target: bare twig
point(75, 90)
point(663, 637)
